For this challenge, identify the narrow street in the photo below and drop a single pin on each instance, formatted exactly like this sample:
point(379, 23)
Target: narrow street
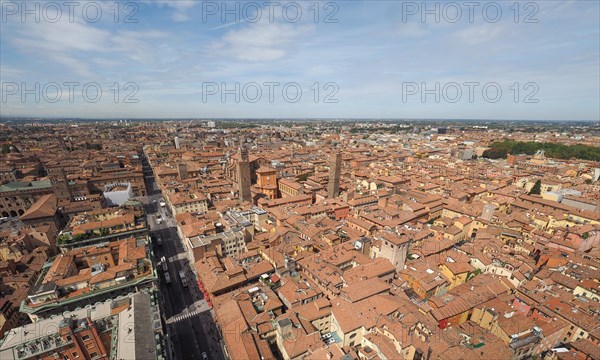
point(187, 314)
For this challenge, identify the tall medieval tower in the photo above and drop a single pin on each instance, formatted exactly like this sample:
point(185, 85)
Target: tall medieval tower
point(335, 167)
point(243, 175)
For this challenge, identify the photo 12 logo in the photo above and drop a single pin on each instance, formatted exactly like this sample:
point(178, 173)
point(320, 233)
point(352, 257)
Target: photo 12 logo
point(253, 92)
point(471, 11)
point(453, 92)
point(53, 92)
point(255, 11)
point(55, 11)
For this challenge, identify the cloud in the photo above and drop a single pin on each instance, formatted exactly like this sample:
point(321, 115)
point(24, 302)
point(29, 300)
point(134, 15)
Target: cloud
point(226, 25)
point(262, 41)
point(75, 44)
point(181, 8)
point(8, 72)
point(61, 36)
point(60, 42)
point(411, 30)
point(137, 45)
point(475, 35)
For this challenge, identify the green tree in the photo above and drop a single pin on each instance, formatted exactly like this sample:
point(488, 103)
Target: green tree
point(537, 188)
point(500, 149)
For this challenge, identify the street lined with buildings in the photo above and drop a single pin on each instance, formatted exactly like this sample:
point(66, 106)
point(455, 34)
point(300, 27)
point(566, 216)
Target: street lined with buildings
point(182, 304)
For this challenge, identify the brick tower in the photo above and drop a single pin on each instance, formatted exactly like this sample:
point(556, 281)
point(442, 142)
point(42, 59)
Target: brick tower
point(335, 167)
point(243, 175)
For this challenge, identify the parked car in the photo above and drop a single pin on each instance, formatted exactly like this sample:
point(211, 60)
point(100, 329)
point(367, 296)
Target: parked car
point(204, 356)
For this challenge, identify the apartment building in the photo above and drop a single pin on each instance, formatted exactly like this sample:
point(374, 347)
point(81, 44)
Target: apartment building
point(100, 332)
point(89, 273)
point(181, 202)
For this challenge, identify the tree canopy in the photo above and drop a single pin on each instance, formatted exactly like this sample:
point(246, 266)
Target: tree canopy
point(500, 149)
point(537, 188)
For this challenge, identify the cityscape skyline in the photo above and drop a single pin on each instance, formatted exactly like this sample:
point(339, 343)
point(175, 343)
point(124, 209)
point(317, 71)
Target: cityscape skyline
point(241, 240)
point(299, 180)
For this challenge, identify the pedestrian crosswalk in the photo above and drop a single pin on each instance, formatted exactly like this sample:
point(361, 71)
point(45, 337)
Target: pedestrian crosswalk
point(178, 318)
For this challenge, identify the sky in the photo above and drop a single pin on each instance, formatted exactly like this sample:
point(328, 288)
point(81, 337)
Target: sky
point(531, 60)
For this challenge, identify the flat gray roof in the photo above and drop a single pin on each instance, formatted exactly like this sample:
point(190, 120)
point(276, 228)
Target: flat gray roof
point(136, 330)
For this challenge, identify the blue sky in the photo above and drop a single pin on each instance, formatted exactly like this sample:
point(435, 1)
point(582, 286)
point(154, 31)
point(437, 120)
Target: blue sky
point(376, 58)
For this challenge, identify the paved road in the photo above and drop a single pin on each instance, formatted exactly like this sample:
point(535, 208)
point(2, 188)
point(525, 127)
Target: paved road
point(189, 319)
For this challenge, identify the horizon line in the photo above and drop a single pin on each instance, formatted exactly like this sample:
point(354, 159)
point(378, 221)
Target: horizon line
point(25, 117)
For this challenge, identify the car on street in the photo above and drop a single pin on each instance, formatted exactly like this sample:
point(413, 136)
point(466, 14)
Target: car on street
point(326, 336)
point(183, 278)
point(204, 356)
point(164, 264)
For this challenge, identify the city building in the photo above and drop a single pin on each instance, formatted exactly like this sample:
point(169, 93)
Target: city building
point(127, 327)
point(87, 274)
point(104, 225)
